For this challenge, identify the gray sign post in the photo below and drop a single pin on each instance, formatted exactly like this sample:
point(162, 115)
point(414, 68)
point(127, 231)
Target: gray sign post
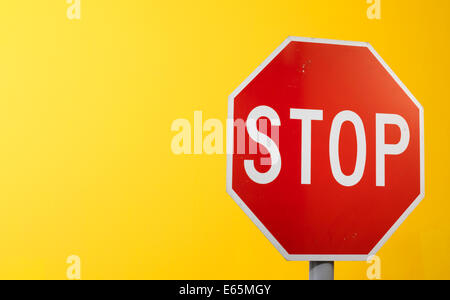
point(321, 270)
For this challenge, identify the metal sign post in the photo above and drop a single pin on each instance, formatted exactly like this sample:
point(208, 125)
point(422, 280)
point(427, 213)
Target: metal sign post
point(321, 270)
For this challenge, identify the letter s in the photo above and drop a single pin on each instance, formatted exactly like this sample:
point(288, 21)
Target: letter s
point(268, 143)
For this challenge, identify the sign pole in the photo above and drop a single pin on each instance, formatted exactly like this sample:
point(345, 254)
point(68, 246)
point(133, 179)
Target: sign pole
point(321, 270)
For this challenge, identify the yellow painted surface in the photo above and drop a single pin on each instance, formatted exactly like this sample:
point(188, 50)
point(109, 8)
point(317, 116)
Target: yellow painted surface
point(86, 108)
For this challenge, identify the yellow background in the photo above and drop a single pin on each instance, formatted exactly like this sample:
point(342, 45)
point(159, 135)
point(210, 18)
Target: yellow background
point(85, 113)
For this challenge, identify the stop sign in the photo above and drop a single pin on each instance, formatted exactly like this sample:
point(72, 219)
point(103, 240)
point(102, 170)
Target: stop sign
point(326, 150)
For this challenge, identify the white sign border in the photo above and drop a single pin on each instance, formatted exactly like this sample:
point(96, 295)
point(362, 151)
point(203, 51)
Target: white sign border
point(249, 213)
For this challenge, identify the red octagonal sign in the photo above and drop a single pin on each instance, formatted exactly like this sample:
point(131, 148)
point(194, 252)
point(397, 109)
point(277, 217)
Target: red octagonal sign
point(327, 150)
